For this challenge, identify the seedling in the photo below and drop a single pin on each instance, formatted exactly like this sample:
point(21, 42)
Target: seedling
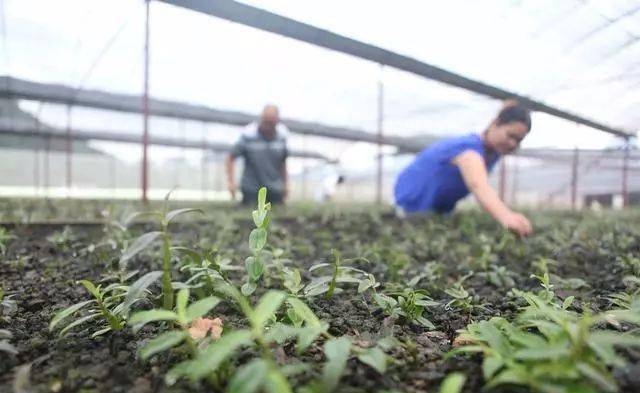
point(626, 301)
point(62, 239)
point(5, 238)
point(433, 272)
point(499, 276)
point(164, 218)
point(5, 345)
point(327, 285)
point(453, 383)
point(206, 271)
point(631, 263)
point(409, 304)
point(261, 372)
point(107, 305)
point(549, 349)
point(255, 264)
point(542, 265)
point(8, 306)
point(546, 295)
point(462, 299)
point(110, 304)
point(186, 316)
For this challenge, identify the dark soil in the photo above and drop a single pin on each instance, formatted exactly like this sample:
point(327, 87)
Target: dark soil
point(41, 276)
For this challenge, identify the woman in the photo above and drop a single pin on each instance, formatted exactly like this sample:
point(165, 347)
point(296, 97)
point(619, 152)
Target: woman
point(448, 170)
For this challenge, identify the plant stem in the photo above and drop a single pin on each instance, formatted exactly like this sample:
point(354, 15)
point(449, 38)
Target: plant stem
point(167, 290)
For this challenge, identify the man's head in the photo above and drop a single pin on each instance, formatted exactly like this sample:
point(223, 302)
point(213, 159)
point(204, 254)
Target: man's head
point(509, 128)
point(269, 119)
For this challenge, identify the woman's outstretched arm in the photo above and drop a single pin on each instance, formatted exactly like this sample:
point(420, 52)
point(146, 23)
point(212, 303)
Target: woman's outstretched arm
point(474, 174)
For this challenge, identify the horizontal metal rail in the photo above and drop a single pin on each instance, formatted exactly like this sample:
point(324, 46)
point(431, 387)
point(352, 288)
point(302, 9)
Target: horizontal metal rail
point(85, 135)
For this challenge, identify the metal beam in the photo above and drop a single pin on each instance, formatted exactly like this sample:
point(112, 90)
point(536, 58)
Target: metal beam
point(61, 94)
point(274, 23)
point(112, 136)
point(144, 177)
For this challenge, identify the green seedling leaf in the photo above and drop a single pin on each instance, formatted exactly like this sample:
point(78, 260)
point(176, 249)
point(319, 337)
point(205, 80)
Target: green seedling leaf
point(201, 307)
point(307, 336)
point(182, 298)
point(259, 218)
point(248, 288)
point(337, 351)
point(257, 239)
point(136, 247)
point(267, 306)
point(136, 290)
point(289, 370)
point(318, 266)
point(304, 312)
point(490, 366)
point(509, 376)
point(599, 377)
point(162, 343)
point(453, 383)
point(541, 353)
point(493, 336)
point(375, 358)
point(92, 289)
point(77, 322)
point(194, 255)
point(6, 347)
point(67, 312)
point(276, 382)
point(134, 216)
point(210, 359)
point(175, 213)
point(254, 267)
point(101, 332)
point(139, 319)
point(249, 378)
point(280, 333)
point(262, 198)
point(426, 323)
point(567, 302)
point(613, 338)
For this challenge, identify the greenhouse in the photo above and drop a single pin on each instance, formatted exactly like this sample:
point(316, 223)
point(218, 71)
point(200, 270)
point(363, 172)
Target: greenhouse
point(279, 196)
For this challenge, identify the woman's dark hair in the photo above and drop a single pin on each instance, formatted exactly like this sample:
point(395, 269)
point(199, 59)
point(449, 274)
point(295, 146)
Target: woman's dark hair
point(513, 111)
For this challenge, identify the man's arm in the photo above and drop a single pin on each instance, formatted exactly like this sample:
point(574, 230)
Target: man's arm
point(475, 177)
point(230, 167)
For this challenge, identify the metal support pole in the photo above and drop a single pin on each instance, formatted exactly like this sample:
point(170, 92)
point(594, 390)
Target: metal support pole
point(203, 163)
point(503, 177)
point(145, 108)
point(69, 148)
point(36, 162)
point(179, 162)
point(625, 175)
point(46, 170)
point(304, 169)
point(574, 179)
point(112, 174)
point(380, 136)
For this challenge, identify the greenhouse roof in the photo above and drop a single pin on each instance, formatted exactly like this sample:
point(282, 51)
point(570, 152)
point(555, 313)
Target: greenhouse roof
point(579, 56)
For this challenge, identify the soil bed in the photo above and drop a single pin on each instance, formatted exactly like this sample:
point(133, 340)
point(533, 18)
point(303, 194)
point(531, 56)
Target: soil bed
point(40, 269)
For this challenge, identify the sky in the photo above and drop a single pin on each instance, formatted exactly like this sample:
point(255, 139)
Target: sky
point(563, 53)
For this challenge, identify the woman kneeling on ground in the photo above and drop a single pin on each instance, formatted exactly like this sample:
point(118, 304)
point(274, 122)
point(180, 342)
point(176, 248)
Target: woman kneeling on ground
point(446, 171)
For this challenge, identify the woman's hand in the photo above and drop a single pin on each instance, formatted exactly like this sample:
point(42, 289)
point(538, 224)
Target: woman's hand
point(474, 174)
point(516, 223)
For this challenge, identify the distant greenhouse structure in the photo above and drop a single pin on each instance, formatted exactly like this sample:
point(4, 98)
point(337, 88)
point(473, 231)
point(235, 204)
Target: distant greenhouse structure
point(131, 110)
